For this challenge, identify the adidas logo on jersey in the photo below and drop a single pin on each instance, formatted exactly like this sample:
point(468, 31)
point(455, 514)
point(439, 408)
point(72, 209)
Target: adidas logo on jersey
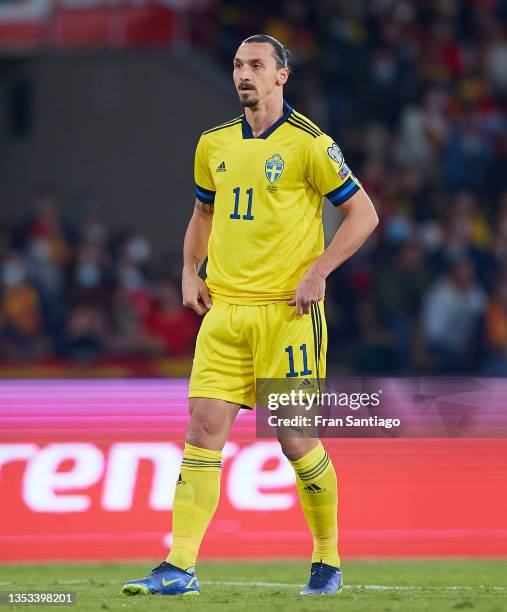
point(221, 167)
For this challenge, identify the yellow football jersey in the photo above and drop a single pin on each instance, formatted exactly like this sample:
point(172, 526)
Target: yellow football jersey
point(267, 195)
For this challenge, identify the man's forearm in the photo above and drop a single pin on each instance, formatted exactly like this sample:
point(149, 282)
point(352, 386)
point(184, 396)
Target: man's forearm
point(195, 246)
point(360, 221)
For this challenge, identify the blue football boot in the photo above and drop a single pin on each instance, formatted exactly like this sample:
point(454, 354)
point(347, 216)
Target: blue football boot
point(165, 579)
point(324, 580)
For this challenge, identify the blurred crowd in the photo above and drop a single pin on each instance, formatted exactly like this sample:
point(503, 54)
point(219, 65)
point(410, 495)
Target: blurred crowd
point(77, 291)
point(415, 93)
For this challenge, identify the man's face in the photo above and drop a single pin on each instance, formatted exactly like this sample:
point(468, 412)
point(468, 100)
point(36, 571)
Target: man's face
point(255, 73)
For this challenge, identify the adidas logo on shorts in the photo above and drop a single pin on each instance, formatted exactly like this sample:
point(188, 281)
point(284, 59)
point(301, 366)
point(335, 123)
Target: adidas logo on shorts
point(305, 383)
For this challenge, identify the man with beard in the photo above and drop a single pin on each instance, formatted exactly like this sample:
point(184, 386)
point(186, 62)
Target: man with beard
point(260, 182)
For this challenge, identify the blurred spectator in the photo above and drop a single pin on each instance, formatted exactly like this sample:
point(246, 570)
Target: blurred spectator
point(496, 57)
point(46, 227)
point(90, 281)
point(128, 311)
point(468, 156)
point(423, 131)
point(171, 327)
point(21, 324)
point(400, 285)
point(495, 362)
point(450, 318)
point(132, 300)
point(86, 334)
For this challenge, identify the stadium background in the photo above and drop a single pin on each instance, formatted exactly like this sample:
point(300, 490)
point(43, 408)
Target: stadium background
point(101, 107)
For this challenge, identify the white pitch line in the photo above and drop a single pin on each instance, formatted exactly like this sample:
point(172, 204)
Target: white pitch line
point(285, 585)
point(266, 584)
point(373, 587)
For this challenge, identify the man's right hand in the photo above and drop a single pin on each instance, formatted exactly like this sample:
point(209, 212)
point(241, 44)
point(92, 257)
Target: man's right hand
point(195, 293)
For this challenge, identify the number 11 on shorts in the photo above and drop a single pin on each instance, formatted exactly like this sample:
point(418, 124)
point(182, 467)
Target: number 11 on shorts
point(292, 372)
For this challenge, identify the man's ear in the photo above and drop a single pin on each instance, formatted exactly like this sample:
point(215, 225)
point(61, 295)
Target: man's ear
point(283, 76)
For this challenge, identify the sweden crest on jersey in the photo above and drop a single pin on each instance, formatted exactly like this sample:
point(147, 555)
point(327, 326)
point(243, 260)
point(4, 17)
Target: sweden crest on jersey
point(274, 168)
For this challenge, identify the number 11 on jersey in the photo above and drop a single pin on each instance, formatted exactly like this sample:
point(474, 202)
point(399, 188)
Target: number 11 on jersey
point(235, 214)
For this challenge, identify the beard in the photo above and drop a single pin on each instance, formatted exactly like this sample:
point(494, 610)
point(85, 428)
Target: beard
point(249, 103)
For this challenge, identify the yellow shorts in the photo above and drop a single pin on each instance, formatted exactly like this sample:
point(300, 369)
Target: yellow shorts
point(238, 344)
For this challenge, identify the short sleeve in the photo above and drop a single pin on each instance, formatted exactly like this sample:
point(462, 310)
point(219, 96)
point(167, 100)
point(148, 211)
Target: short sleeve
point(204, 185)
point(327, 172)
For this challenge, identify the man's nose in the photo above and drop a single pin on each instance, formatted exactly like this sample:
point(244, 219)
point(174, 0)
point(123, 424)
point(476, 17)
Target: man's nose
point(244, 73)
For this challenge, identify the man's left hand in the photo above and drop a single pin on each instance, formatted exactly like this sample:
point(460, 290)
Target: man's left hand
point(311, 289)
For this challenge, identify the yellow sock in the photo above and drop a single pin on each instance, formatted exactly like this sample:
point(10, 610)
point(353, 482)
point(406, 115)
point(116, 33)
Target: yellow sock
point(195, 501)
point(318, 493)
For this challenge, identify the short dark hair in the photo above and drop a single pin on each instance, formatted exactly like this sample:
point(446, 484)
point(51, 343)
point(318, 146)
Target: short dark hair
point(282, 53)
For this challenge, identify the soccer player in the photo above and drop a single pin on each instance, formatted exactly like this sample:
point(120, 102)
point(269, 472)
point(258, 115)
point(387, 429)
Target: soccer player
point(260, 181)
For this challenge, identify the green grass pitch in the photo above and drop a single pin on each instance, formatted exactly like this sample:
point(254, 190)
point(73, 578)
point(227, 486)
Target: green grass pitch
point(390, 586)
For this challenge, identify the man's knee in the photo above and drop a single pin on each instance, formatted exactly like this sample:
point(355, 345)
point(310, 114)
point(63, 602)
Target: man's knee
point(202, 427)
point(296, 447)
point(210, 423)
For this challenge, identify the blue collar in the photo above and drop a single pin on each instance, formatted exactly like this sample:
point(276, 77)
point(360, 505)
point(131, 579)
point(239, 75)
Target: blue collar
point(247, 130)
